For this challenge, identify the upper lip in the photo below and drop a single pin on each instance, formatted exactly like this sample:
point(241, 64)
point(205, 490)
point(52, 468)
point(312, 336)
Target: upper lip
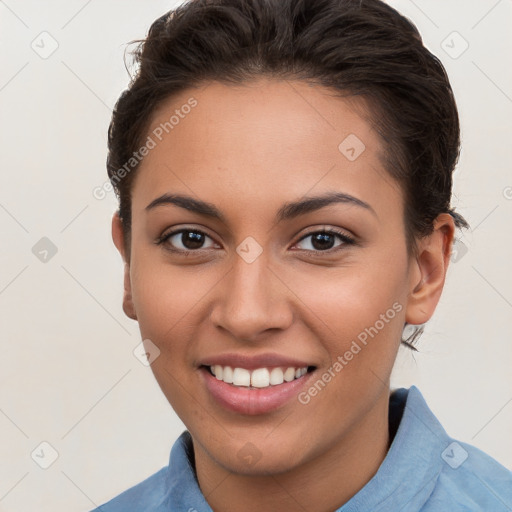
point(267, 360)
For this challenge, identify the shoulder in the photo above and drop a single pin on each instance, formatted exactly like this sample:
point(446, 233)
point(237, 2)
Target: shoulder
point(471, 480)
point(434, 472)
point(147, 495)
point(464, 478)
point(174, 487)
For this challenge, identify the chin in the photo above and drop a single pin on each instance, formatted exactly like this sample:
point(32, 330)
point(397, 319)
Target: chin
point(259, 458)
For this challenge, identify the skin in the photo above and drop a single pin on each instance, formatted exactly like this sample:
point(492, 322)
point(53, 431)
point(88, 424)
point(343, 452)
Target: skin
point(248, 149)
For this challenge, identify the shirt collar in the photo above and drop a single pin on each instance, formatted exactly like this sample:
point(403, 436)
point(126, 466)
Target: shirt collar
point(408, 474)
point(404, 480)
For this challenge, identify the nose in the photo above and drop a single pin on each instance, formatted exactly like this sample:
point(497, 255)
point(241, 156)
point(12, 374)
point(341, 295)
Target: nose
point(252, 301)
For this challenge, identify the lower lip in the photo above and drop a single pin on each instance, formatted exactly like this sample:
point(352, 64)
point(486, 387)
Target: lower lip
point(252, 401)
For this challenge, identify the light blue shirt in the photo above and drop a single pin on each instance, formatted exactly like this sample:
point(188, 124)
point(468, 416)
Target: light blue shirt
point(424, 471)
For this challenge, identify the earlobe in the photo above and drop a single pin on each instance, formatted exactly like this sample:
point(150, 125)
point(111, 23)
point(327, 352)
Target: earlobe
point(429, 271)
point(128, 306)
point(118, 238)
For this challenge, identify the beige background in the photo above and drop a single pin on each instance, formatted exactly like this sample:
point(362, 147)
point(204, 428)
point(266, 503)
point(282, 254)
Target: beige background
point(68, 376)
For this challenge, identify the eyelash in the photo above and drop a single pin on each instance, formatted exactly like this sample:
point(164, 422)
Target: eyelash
point(346, 239)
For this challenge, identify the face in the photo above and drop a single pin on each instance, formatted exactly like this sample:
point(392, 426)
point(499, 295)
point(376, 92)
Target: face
point(298, 303)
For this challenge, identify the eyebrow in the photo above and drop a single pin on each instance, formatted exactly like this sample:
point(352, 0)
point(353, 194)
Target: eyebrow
point(286, 212)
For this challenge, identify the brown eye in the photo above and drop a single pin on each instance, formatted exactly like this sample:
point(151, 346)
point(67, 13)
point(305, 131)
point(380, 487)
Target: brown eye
point(323, 241)
point(186, 240)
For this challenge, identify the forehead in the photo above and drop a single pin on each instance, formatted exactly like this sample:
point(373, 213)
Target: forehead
point(267, 139)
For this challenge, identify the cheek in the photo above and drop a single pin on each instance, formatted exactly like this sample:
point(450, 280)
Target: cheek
point(348, 300)
point(358, 316)
point(166, 302)
point(164, 299)
point(358, 313)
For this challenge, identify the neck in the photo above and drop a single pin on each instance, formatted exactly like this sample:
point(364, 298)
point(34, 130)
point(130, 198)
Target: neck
point(322, 484)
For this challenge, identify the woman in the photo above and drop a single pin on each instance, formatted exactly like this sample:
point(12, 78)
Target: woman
point(284, 172)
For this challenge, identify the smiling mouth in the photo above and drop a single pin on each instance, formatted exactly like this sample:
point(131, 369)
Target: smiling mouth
point(259, 377)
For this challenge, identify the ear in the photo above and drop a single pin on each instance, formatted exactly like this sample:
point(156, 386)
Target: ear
point(428, 271)
point(118, 238)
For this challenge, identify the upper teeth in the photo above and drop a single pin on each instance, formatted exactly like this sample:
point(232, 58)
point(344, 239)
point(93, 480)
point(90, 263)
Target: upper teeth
point(259, 378)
